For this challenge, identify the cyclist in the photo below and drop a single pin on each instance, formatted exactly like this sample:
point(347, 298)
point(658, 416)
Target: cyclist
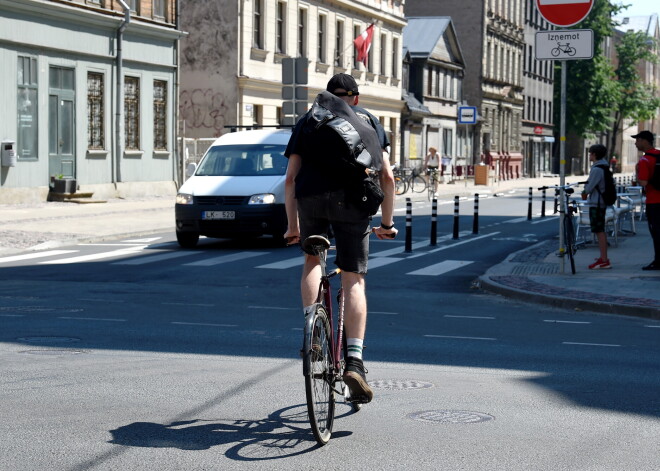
point(317, 193)
point(431, 164)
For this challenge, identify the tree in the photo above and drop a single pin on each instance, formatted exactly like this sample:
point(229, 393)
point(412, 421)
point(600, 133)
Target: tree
point(637, 101)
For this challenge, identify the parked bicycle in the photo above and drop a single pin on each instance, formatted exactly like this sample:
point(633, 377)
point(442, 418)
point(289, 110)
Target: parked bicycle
point(408, 179)
point(323, 346)
point(568, 211)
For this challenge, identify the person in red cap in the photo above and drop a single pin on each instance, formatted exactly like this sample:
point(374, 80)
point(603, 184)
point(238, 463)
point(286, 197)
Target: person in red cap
point(645, 170)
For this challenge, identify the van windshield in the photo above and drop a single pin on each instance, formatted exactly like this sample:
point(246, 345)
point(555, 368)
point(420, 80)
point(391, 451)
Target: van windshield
point(244, 160)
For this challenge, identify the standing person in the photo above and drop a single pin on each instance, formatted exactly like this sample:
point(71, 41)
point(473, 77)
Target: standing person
point(645, 168)
point(593, 191)
point(431, 165)
point(318, 195)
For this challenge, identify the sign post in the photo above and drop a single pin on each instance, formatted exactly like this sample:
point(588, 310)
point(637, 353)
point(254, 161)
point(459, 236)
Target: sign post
point(563, 13)
point(467, 115)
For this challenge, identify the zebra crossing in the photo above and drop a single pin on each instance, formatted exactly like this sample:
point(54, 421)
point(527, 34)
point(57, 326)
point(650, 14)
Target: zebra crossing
point(145, 252)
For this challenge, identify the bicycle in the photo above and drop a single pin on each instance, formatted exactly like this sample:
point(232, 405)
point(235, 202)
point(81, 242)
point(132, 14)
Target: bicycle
point(568, 210)
point(563, 48)
point(408, 178)
point(433, 182)
point(323, 362)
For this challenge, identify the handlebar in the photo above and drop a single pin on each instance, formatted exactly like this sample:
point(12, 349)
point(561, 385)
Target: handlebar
point(561, 187)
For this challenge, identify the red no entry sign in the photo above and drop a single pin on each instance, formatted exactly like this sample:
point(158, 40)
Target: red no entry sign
point(564, 12)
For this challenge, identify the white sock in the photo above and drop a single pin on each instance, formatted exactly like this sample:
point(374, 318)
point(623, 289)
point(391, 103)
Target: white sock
point(354, 348)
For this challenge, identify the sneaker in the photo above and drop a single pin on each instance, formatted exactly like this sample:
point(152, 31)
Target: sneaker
point(600, 264)
point(356, 379)
point(652, 266)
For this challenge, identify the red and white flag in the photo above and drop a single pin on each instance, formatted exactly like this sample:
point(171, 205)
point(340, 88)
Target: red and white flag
point(363, 44)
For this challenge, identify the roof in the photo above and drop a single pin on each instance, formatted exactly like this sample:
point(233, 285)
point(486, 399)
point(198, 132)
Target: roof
point(646, 23)
point(422, 33)
point(414, 105)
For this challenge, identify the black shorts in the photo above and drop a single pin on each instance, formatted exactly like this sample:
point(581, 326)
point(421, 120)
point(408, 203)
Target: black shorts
point(597, 219)
point(350, 225)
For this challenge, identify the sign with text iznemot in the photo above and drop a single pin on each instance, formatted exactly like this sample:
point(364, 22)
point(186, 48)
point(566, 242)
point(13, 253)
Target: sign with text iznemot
point(565, 45)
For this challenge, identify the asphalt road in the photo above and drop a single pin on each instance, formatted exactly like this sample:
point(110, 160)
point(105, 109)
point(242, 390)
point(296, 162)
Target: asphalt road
point(135, 354)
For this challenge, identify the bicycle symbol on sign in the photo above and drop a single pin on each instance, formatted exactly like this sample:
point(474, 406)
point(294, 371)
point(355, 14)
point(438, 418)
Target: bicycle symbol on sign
point(563, 48)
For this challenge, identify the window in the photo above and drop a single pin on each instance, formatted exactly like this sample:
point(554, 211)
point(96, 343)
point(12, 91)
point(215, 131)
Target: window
point(134, 5)
point(95, 111)
point(383, 54)
point(160, 115)
point(356, 33)
point(322, 35)
point(28, 124)
point(132, 113)
point(395, 58)
point(257, 27)
point(159, 8)
point(280, 28)
point(339, 44)
point(429, 81)
point(302, 33)
point(447, 144)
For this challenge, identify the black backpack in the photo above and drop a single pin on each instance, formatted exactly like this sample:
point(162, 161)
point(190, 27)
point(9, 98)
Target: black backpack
point(609, 195)
point(654, 180)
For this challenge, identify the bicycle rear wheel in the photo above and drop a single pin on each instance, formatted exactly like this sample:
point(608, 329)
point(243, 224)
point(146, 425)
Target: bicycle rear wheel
point(319, 375)
point(399, 185)
point(418, 184)
point(569, 241)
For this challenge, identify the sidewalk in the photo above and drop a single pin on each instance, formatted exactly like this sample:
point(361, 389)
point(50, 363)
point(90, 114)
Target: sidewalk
point(532, 274)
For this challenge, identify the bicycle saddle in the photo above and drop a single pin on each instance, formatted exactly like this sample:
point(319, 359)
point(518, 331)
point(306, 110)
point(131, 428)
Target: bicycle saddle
point(569, 191)
point(316, 244)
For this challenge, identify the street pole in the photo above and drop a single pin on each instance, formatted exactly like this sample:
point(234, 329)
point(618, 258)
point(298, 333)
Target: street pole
point(562, 164)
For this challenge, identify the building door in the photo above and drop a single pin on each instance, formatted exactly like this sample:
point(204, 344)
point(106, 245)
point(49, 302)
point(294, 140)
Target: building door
point(61, 122)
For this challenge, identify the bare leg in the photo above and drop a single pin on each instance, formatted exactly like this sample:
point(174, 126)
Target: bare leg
point(602, 244)
point(311, 277)
point(355, 304)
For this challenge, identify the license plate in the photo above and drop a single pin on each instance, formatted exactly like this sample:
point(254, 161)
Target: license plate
point(218, 214)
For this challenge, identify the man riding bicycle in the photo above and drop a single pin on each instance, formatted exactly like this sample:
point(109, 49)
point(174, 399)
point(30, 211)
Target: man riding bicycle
point(319, 193)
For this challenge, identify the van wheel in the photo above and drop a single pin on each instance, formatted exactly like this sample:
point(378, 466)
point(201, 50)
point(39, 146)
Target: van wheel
point(187, 240)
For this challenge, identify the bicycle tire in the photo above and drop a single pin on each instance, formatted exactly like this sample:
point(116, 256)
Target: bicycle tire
point(569, 241)
point(418, 184)
point(431, 187)
point(400, 186)
point(319, 377)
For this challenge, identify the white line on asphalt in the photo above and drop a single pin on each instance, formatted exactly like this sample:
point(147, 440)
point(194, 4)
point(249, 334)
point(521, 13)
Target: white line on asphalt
point(592, 344)
point(398, 250)
point(442, 239)
point(148, 239)
point(28, 256)
point(154, 258)
point(12, 315)
point(189, 304)
point(297, 328)
point(284, 264)
point(96, 256)
point(111, 245)
point(462, 242)
point(382, 261)
point(653, 326)
point(225, 259)
point(384, 313)
point(94, 300)
point(469, 317)
point(457, 337)
point(277, 308)
point(546, 219)
point(92, 319)
point(513, 221)
point(566, 322)
point(440, 268)
point(202, 324)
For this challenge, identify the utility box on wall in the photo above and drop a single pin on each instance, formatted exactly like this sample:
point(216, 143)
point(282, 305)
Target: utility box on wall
point(8, 150)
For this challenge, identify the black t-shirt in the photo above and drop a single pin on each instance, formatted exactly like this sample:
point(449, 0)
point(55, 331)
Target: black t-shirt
point(323, 167)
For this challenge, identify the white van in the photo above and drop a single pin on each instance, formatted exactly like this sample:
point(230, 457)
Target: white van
point(237, 190)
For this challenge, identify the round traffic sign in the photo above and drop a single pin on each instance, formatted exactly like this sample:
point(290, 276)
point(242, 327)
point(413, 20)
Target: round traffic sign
point(564, 12)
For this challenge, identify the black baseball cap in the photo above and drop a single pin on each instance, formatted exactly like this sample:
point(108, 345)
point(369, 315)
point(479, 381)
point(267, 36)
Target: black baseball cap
point(345, 81)
point(646, 135)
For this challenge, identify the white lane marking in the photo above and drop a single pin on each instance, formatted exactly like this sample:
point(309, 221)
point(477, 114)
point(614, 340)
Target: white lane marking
point(462, 242)
point(545, 219)
point(653, 326)
point(513, 221)
point(469, 317)
point(202, 324)
point(110, 245)
point(284, 264)
point(147, 240)
point(384, 313)
point(381, 262)
point(442, 239)
point(12, 315)
point(457, 337)
point(95, 256)
point(592, 344)
point(154, 258)
point(398, 250)
point(277, 308)
point(29, 256)
point(92, 319)
point(566, 322)
point(440, 268)
point(95, 300)
point(225, 259)
point(189, 304)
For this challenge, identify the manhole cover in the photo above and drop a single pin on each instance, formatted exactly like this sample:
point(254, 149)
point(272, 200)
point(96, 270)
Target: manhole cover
point(53, 352)
point(397, 384)
point(48, 339)
point(450, 416)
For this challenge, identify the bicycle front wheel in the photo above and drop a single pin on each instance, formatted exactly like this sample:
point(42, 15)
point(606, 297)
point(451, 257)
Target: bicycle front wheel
point(399, 185)
point(418, 184)
point(569, 241)
point(319, 375)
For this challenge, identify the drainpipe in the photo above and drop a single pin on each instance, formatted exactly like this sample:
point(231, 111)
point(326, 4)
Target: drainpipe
point(177, 161)
point(119, 114)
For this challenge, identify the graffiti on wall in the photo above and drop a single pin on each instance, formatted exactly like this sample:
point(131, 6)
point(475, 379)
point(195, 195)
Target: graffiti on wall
point(205, 109)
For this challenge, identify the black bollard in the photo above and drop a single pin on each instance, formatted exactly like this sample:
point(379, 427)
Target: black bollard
point(543, 203)
point(434, 222)
point(529, 205)
point(475, 220)
point(556, 203)
point(408, 225)
point(455, 217)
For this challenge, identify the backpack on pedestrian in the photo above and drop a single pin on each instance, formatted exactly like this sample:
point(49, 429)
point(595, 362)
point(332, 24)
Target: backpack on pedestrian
point(609, 195)
point(655, 176)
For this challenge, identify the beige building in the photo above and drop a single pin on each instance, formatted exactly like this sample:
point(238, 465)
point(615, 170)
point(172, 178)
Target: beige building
point(232, 59)
point(492, 40)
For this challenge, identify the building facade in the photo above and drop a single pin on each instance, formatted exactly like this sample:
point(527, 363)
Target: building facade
point(89, 92)
point(232, 59)
point(491, 35)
